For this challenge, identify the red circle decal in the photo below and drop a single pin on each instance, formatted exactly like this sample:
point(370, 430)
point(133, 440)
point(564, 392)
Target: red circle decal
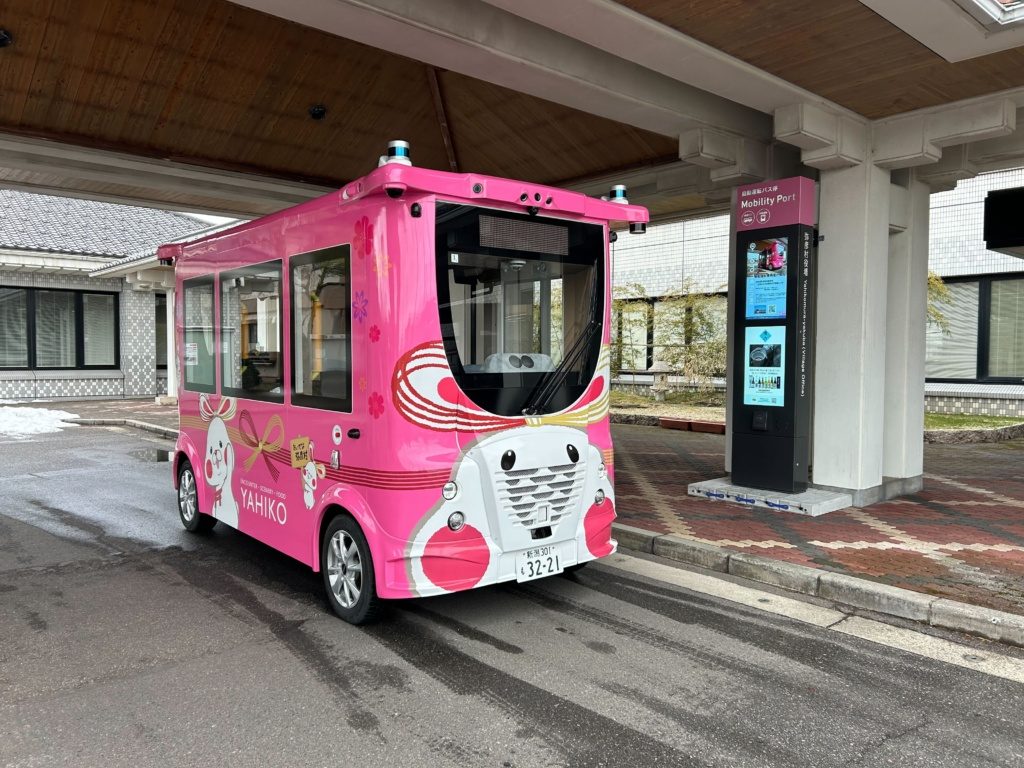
point(456, 559)
point(597, 526)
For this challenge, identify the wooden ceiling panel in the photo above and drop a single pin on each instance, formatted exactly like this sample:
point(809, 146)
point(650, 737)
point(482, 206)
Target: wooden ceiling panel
point(839, 49)
point(218, 84)
point(504, 133)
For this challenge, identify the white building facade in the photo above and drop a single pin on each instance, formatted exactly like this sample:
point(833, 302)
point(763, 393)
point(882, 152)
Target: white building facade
point(975, 366)
point(65, 333)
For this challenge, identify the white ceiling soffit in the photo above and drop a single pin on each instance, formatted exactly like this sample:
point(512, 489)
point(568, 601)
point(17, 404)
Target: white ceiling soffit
point(238, 194)
point(950, 30)
point(622, 32)
point(490, 44)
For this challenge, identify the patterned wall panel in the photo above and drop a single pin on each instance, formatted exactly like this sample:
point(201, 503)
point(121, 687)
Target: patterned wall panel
point(137, 376)
point(138, 342)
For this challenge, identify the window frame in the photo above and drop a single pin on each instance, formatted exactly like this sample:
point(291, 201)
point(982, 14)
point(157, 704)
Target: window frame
point(320, 402)
point(982, 341)
point(187, 283)
point(227, 274)
point(31, 328)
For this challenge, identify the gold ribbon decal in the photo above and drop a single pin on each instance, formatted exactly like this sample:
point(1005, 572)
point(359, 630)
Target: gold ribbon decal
point(265, 445)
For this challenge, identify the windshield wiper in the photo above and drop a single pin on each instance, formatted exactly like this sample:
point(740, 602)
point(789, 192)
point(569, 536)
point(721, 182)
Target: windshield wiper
point(553, 379)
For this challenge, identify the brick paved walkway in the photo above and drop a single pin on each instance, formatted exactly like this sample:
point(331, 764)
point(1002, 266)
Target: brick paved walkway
point(961, 537)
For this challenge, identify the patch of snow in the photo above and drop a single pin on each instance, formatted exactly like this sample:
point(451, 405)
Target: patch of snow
point(21, 422)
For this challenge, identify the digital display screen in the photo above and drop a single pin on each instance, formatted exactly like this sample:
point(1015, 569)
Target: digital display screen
point(767, 262)
point(764, 374)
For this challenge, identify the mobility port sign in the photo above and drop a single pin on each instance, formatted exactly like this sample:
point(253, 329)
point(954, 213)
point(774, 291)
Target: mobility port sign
point(773, 349)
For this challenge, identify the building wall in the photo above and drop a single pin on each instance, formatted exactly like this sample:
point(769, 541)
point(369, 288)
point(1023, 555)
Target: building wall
point(138, 342)
point(137, 375)
point(956, 241)
point(692, 253)
point(698, 249)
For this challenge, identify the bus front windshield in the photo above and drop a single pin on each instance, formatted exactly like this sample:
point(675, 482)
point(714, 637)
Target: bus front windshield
point(521, 304)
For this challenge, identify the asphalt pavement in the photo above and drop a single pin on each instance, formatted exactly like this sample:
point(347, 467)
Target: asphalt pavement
point(126, 641)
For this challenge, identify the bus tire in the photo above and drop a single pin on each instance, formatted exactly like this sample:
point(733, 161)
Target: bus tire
point(347, 569)
point(188, 501)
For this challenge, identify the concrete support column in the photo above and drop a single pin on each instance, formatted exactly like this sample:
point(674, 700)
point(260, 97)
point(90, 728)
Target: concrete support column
point(172, 352)
point(849, 388)
point(730, 330)
point(906, 320)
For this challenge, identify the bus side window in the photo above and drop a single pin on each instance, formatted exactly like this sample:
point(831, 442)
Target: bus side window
point(321, 285)
point(251, 333)
point(198, 341)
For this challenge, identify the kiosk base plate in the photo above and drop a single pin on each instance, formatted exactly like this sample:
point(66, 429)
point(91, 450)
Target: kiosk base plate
point(812, 502)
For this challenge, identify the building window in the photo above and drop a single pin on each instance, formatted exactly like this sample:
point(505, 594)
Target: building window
point(161, 331)
point(197, 309)
point(55, 329)
point(250, 322)
point(321, 339)
point(99, 330)
point(633, 330)
point(13, 328)
point(953, 353)
point(1006, 330)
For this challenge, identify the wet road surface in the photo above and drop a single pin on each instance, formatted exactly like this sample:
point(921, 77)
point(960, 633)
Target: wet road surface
point(127, 641)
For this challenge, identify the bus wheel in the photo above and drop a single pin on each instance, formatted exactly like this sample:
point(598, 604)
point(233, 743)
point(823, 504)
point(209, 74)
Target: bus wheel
point(348, 571)
point(188, 501)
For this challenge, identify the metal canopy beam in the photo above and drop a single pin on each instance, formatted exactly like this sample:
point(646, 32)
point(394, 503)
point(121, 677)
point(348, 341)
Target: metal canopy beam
point(485, 42)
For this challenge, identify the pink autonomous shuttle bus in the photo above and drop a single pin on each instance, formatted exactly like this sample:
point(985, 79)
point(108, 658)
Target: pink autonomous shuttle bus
point(404, 384)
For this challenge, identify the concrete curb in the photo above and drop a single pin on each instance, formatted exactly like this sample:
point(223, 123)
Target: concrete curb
point(949, 436)
point(156, 429)
point(837, 587)
point(993, 435)
point(636, 419)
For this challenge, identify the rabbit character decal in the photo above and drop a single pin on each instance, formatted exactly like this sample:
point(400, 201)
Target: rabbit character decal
point(219, 463)
point(311, 472)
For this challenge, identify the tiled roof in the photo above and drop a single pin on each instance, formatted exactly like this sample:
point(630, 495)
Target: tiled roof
point(148, 254)
point(66, 225)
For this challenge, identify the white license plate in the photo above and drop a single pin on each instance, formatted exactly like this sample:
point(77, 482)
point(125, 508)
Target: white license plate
point(538, 562)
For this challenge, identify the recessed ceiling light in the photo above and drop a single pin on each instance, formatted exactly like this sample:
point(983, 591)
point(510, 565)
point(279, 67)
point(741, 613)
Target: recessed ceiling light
point(318, 111)
point(5, 38)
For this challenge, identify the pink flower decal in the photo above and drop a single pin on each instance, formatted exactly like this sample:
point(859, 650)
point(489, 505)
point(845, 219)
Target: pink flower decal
point(359, 306)
point(362, 240)
point(374, 334)
point(376, 405)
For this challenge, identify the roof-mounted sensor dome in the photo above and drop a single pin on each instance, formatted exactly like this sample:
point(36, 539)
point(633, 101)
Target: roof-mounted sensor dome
point(398, 152)
point(618, 194)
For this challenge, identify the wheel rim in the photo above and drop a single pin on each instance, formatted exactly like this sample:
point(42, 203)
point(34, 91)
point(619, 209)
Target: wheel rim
point(187, 502)
point(344, 569)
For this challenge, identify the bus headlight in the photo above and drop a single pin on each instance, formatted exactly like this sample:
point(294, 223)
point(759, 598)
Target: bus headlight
point(599, 497)
point(456, 520)
point(450, 490)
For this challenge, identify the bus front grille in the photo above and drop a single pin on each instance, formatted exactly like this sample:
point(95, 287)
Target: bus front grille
point(540, 496)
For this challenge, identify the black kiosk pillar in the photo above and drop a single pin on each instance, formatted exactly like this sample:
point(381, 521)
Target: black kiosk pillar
point(773, 342)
